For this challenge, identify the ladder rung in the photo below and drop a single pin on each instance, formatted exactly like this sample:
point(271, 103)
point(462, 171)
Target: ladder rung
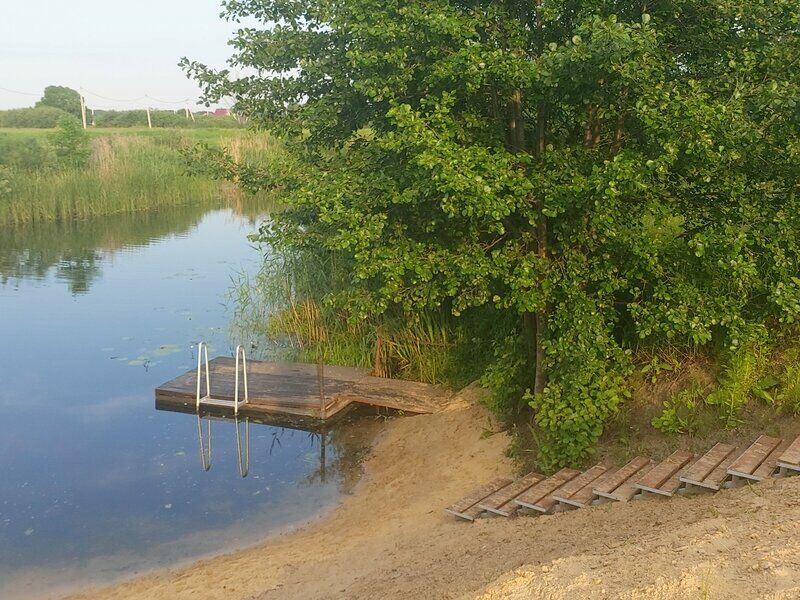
point(217, 402)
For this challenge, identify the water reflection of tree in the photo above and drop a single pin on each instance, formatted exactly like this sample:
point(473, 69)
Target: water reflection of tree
point(79, 271)
point(75, 249)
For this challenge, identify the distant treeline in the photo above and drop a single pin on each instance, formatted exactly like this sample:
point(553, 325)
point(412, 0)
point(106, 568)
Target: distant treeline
point(45, 117)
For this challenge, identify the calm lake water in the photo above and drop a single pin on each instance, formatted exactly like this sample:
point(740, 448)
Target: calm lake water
point(95, 484)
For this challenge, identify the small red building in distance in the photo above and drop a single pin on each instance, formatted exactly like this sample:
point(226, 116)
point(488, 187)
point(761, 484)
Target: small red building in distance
point(221, 112)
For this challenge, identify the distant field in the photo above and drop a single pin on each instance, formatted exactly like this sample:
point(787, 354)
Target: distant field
point(209, 134)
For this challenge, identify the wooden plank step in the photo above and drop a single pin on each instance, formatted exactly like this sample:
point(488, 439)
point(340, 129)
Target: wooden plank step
point(790, 458)
point(502, 502)
point(578, 492)
point(618, 485)
point(467, 508)
point(664, 478)
point(711, 470)
point(539, 496)
point(746, 465)
point(770, 464)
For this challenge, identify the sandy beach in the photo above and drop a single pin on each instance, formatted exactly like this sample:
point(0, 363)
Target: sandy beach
point(391, 538)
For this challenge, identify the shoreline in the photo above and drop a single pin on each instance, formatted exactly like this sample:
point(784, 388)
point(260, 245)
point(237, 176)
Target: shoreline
point(336, 527)
point(392, 539)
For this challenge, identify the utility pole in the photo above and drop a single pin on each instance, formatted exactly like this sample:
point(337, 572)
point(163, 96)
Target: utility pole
point(92, 117)
point(186, 110)
point(149, 122)
point(83, 110)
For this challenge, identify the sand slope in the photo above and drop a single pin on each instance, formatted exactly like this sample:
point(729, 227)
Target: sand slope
point(391, 539)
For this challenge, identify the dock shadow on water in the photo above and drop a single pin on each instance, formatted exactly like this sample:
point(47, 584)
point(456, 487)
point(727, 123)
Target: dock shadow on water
point(96, 485)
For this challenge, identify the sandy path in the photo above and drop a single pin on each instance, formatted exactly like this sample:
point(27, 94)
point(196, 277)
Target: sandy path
point(391, 539)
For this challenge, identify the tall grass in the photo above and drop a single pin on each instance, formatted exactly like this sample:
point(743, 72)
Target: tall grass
point(277, 314)
point(421, 350)
point(125, 174)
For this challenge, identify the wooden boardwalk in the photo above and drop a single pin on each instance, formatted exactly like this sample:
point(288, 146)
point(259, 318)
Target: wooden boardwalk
point(682, 471)
point(300, 391)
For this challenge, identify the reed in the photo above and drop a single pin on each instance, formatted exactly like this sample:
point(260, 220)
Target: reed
point(277, 321)
point(125, 174)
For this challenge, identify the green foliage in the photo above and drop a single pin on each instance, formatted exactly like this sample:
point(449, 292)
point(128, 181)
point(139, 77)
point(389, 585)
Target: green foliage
point(626, 177)
point(791, 388)
point(42, 117)
point(5, 183)
point(70, 142)
point(767, 372)
point(780, 388)
point(741, 376)
point(25, 153)
point(272, 312)
point(680, 411)
point(656, 367)
point(63, 98)
point(767, 390)
point(506, 376)
point(162, 118)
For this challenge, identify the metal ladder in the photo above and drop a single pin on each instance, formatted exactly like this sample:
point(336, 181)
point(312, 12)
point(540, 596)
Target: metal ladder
point(243, 457)
point(208, 400)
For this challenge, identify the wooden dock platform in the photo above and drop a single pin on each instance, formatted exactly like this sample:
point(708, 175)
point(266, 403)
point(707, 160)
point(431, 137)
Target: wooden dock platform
point(300, 391)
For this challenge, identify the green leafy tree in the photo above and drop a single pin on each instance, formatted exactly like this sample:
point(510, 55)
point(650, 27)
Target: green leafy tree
point(61, 97)
point(70, 142)
point(613, 173)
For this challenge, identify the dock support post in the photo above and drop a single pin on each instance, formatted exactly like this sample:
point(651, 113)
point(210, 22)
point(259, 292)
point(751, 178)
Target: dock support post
point(376, 371)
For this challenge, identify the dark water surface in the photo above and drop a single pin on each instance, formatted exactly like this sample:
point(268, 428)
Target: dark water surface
point(95, 483)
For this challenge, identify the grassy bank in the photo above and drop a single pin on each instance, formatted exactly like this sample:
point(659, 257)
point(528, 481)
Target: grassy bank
point(126, 171)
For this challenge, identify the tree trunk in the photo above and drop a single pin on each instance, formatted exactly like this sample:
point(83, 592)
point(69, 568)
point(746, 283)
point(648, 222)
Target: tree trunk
point(540, 321)
point(540, 379)
point(619, 133)
point(517, 124)
point(516, 136)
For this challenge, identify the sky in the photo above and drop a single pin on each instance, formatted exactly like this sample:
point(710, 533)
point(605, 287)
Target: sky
point(119, 49)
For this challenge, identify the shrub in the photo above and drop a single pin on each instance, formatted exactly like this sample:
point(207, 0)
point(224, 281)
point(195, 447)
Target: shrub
point(679, 414)
point(743, 371)
point(41, 117)
point(70, 142)
point(791, 389)
point(25, 153)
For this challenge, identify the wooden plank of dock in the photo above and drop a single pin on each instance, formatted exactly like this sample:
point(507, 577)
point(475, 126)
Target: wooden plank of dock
point(301, 390)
